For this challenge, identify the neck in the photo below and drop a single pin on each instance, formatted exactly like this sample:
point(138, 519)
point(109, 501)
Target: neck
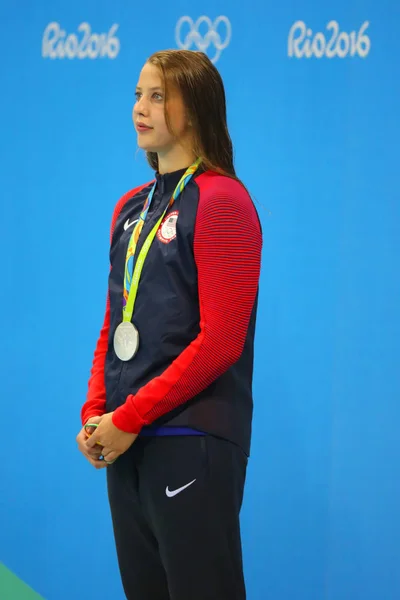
point(174, 159)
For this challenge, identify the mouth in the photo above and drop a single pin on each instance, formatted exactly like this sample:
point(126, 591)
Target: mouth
point(142, 127)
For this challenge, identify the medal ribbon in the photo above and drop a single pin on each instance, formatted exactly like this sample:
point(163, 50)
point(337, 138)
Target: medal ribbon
point(133, 270)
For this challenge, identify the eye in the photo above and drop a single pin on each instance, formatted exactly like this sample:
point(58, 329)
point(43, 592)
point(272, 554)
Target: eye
point(137, 95)
point(157, 96)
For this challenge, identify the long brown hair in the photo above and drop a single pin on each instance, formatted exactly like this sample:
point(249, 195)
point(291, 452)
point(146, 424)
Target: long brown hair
point(203, 94)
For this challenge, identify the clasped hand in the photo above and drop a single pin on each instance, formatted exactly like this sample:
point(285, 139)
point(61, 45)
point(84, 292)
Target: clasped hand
point(106, 440)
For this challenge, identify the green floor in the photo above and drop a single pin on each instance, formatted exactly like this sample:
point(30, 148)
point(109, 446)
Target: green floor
point(12, 588)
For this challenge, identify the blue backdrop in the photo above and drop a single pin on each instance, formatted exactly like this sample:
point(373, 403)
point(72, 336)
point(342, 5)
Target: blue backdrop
point(313, 104)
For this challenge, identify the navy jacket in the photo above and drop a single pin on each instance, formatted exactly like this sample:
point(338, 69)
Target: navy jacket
point(195, 312)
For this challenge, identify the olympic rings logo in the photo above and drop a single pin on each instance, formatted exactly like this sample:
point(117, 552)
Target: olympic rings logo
point(202, 42)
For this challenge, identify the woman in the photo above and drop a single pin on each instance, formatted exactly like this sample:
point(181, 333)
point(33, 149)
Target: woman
point(169, 405)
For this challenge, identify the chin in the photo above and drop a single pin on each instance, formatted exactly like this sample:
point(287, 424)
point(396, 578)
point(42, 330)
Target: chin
point(152, 145)
point(147, 147)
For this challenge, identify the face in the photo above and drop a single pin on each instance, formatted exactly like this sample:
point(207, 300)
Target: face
point(149, 116)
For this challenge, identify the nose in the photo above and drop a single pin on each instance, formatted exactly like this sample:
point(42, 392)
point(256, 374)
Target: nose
point(141, 107)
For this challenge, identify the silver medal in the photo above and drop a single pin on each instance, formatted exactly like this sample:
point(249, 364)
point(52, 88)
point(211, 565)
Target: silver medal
point(126, 341)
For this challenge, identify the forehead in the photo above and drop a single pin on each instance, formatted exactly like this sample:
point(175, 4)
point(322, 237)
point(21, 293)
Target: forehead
point(150, 76)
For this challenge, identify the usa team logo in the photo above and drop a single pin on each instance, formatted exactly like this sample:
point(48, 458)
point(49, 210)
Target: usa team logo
point(167, 230)
point(204, 34)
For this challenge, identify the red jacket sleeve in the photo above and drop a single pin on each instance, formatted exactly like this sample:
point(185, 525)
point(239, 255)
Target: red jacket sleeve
point(96, 396)
point(227, 250)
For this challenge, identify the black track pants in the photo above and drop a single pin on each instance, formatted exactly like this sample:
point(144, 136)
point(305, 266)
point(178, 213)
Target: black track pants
point(175, 504)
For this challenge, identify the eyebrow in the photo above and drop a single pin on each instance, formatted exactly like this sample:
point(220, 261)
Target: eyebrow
point(152, 89)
